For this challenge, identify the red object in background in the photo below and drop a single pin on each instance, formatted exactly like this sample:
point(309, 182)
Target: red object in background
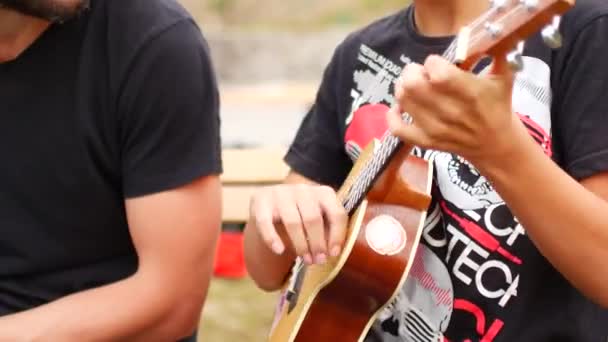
point(229, 258)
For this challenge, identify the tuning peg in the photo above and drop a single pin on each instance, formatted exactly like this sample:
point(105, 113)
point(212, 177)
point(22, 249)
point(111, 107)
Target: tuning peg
point(495, 29)
point(530, 4)
point(551, 35)
point(498, 4)
point(515, 60)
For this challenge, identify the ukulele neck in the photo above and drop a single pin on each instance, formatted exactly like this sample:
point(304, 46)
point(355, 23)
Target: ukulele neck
point(376, 162)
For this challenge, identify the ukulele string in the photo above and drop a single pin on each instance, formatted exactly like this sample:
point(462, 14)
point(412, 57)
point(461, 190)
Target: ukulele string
point(390, 143)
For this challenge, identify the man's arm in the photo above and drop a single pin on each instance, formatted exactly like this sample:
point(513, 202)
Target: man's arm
point(471, 116)
point(566, 220)
point(303, 216)
point(174, 233)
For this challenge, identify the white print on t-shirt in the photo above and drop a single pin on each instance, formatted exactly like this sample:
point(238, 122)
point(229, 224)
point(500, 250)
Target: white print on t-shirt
point(459, 181)
point(375, 83)
point(470, 226)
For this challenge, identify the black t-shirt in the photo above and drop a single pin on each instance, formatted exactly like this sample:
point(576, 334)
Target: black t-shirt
point(476, 276)
point(119, 103)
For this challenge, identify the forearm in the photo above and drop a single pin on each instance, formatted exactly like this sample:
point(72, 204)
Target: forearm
point(134, 309)
point(566, 222)
point(268, 269)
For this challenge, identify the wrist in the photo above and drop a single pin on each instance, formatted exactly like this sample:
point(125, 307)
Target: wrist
point(506, 150)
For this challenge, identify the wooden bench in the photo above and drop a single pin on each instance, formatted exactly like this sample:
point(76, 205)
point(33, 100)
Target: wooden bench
point(245, 170)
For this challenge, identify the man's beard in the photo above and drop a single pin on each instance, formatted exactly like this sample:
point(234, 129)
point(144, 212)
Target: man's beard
point(52, 10)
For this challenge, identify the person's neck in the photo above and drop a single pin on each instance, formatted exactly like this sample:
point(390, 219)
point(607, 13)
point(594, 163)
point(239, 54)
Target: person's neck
point(17, 33)
point(437, 18)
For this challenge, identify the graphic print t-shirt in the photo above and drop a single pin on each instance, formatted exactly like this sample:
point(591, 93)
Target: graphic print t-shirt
point(476, 276)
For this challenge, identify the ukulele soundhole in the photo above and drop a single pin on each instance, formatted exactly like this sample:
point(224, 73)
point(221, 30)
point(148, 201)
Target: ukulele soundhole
point(385, 235)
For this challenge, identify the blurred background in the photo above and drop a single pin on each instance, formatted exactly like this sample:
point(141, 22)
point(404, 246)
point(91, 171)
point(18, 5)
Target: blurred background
point(269, 56)
point(274, 52)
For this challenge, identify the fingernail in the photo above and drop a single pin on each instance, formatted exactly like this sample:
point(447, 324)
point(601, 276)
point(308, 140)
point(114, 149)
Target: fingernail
point(277, 247)
point(308, 259)
point(321, 259)
point(335, 251)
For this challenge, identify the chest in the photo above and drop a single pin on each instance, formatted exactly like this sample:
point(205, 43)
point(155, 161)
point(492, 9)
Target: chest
point(55, 134)
point(368, 93)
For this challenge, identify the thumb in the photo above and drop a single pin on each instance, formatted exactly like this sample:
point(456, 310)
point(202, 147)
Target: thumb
point(408, 133)
point(502, 70)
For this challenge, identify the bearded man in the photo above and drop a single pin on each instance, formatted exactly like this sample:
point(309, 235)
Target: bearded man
point(109, 200)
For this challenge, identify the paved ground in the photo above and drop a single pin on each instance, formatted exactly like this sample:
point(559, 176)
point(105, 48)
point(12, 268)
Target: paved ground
point(236, 311)
point(263, 115)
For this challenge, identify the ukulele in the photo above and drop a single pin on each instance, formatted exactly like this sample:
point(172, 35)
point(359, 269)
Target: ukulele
point(387, 194)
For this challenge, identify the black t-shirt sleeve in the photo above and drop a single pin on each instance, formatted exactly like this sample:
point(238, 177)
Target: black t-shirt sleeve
point(317, 151)
point(581, 101)
point(170, 113)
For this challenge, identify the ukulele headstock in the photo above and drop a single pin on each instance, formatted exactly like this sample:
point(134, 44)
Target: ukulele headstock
point(499, 31)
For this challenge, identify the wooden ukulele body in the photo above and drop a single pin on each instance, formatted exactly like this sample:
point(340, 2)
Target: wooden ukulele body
point(339, 301)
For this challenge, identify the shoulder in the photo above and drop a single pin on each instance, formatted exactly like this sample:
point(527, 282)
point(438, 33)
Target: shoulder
point(137, 32)
point(139, 15)
point(583, 29)
point(377, 32)
point(381, 28)
point(583, 14)
point(127, 27)
point(585, 10)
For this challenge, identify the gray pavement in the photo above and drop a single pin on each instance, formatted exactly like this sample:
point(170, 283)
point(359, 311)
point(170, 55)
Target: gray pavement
point(260, 126)
point(263, 114)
